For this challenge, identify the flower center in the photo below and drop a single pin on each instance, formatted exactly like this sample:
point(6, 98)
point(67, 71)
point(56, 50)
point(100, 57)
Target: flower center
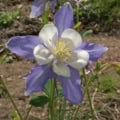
point(62, 51)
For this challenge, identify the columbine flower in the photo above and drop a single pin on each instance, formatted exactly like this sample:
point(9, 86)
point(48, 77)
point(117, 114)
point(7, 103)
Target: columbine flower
point(39, 6)
point(60, 54)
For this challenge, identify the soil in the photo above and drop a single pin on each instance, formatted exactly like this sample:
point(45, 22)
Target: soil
point(13, 73)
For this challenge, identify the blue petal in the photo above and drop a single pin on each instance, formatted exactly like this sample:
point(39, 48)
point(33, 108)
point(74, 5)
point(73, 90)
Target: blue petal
point(64, 18)
point(38, 8)
point(72, 87)
point(37, 78)
point(95, 51)
point(23, 45)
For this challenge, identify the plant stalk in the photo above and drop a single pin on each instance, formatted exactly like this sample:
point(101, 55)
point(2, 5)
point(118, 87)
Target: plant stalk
point(11, 99)
point(27, 114)
point(88, 94)
point(51, 102)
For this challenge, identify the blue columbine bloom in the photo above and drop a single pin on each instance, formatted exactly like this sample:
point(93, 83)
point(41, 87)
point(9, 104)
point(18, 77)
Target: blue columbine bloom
point(60, 54)
point(38, 7)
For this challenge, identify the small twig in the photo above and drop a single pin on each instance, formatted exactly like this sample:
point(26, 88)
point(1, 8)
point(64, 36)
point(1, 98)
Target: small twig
point(27, 113)
point(93, 97)
point(117, 111)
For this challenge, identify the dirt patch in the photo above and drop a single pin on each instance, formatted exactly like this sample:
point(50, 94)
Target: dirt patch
point(12, 74)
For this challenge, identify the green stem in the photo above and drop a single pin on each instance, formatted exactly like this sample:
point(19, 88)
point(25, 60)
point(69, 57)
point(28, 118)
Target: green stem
point(88, 94)
point(51, 104)
point(11, 99)
point(27, 114)
point(76, 112)
point(85, 91)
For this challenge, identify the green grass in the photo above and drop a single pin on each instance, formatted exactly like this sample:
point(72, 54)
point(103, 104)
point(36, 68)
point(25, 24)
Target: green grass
point(110, 83)
point(7, 18)
point(107, 84)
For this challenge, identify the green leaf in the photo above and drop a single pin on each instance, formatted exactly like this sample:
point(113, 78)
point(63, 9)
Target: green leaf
point(77, 25)
point(86, 33)
point(38, 101)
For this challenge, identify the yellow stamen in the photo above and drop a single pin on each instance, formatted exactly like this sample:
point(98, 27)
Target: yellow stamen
point(62, 51)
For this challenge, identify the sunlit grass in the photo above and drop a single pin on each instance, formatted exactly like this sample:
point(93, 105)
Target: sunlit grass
point(7, 18)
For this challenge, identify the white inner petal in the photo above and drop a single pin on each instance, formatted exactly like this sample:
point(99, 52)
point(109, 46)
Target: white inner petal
point(73, 36)
point(42, 55)
point(61, 69)
point(48, 35)
point(79, 59)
